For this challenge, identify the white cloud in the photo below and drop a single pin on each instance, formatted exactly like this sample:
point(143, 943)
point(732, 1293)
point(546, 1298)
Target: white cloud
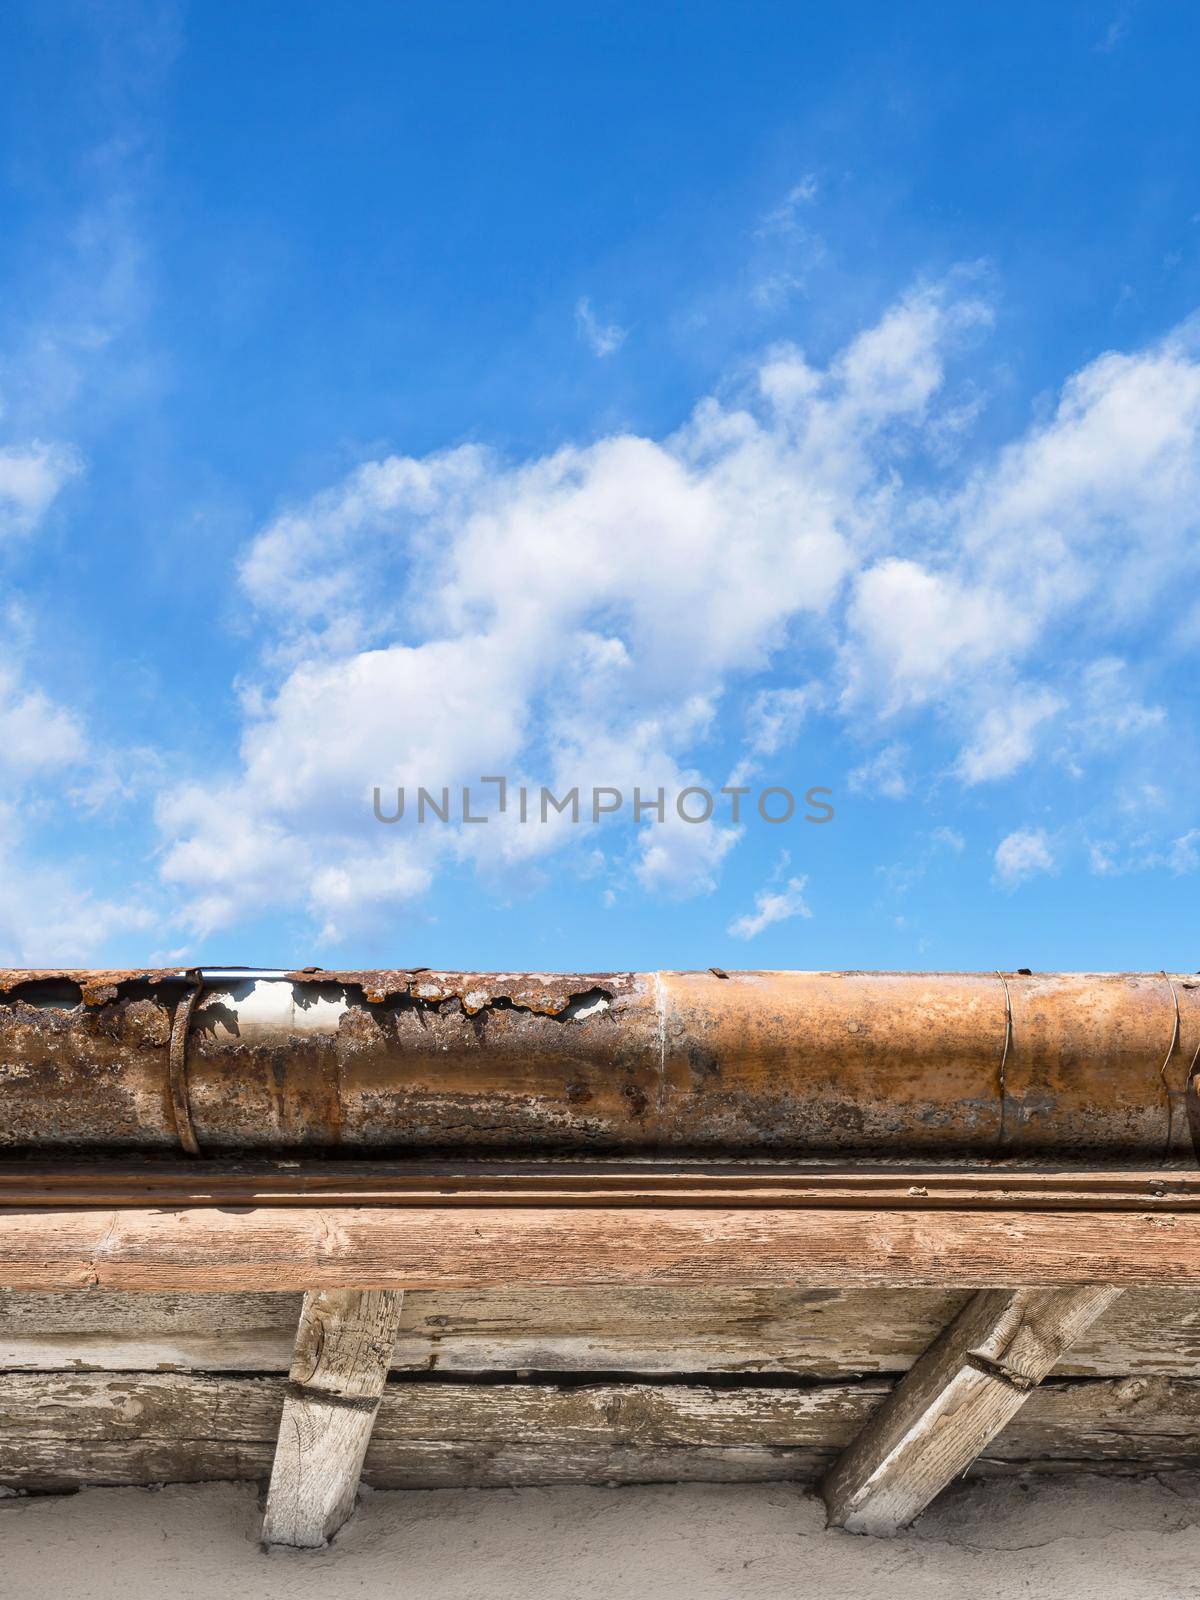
point(1099, 502)
point(772, 906)
point(601, 338)
point(1185, 852)
point(579, 616)
point(782, 218)
point(1090, 516)
point(949, 839)
point(787, 250)
point(1144, 852)
point(914, 633)
point(1108, 708)
point(48, 916)
point(1021, 855)
point(683, 859)
point(882, 774)
point(48, 767)
point(48, 773)
point(1114, 34)
point(774, 289)
point(76, 360)
point(774, 719)
point(1004, 739)
point(901, 877)
point(579, 612)
point(36, 734)
point(31, 477)
point(1102, 859)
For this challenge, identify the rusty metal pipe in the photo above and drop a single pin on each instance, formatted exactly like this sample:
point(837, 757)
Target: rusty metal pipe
point(777, 1064)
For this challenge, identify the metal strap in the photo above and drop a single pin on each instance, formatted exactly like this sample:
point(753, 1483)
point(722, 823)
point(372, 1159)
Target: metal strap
point(1008, 1033)
point(178, 1062)
point(1173, 1099)
point(1191, 1089)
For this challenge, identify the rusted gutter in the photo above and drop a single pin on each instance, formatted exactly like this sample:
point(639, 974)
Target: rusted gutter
point(781, 1064)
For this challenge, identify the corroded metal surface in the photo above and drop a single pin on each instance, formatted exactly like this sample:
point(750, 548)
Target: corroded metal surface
point(95, 988)
point(787, 1064)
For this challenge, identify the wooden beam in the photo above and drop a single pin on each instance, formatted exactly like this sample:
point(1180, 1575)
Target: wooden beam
point(967, 1386)
point(169, 1427)
point(343, 1352)
point(815, 1333)
point(365, 1247)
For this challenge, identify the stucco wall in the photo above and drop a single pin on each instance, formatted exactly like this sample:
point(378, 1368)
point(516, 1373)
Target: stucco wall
point(1080, 1537)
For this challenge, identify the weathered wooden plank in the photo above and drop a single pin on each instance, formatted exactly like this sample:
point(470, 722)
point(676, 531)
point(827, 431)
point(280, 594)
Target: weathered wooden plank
point(964, 1390)
point(815, 1332)
point(118, 1330)
point(381, 1248)
point(58, 1432)
point(343, 1351)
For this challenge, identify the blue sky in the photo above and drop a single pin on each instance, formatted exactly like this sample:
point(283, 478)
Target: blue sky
point(660, 395)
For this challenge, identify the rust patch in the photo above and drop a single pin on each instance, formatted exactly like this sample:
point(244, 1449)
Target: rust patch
point(95, 988)
point(547, 994)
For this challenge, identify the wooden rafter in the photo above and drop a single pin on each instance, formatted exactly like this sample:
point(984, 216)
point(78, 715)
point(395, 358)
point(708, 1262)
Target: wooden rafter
point(343, 1351)
point(967, 1386)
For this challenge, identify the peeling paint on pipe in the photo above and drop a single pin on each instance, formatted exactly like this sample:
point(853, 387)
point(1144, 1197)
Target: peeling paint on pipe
point(780, 1064)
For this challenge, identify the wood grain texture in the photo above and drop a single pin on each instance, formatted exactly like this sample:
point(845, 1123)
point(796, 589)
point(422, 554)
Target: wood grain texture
point(118, 1330)
point(59, 1432)
point(963, 1391)
point(380, 1248)
point(814, 1332)
point(343, 1351)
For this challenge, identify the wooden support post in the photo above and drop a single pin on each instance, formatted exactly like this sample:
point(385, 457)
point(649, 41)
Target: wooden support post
point(945, 1410)
point(343, 1352)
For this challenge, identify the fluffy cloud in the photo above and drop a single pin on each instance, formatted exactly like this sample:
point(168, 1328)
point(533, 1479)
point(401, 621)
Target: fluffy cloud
point(1079, 526)
point(48, 770)
point(581, 617)
point(48, 916)
point(770, 906)
point(775, 717)
point(1185, 852)
point(1109, 710)
point(36, 735)
point(602, 338)
point(883, 774)
point(1005, 736)
point(48, 767)
point(31, 476)
point(782, 218)
point(1021, 855)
